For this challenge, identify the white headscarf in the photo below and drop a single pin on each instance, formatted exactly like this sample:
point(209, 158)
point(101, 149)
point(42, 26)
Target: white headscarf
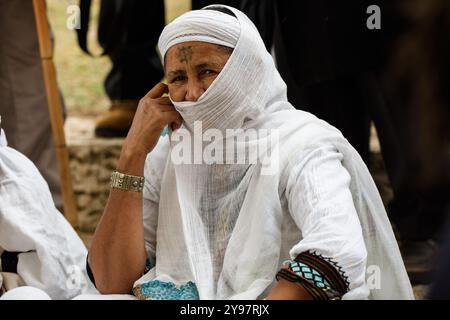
point(243, 84)
point(219, 226)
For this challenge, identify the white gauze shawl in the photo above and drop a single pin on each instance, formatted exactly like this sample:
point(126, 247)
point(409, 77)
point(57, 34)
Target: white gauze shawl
point(220, 225)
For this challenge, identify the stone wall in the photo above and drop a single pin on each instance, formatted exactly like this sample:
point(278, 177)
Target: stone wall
point(91, 162)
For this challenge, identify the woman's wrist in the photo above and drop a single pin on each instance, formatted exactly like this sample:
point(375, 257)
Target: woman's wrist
point(132, 160)
point(285, 290)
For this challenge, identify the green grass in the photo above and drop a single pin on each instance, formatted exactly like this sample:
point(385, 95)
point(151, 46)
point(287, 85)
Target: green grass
point(81, 77)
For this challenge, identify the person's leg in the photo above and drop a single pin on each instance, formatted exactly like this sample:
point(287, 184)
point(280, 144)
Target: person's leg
point(136, 66)
point(23, 101)
point(411, 128)
point(340, 102)
point(417, 209)
point(440, 290)
point(311, 62)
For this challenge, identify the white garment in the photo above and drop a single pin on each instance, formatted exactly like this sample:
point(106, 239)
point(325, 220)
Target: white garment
point(30, 293)
point(319, 200)
point(53, 257)
point(227, 228)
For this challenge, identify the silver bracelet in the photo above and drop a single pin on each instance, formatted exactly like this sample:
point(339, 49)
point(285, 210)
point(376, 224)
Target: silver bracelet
point(127, 182)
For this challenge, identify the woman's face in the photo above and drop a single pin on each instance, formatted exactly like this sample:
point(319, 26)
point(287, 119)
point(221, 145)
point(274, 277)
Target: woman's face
point(191, 67)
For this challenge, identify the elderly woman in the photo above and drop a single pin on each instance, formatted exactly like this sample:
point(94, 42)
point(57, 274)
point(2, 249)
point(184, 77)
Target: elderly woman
point(312, 228)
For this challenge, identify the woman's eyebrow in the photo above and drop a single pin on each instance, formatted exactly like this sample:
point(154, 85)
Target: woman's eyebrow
point(176, 73)
point(207, 65)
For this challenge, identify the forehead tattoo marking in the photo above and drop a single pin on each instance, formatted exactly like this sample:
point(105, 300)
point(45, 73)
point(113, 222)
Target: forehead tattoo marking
point(185, 54)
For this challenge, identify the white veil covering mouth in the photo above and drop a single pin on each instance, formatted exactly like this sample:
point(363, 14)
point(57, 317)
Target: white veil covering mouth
point(220, 226)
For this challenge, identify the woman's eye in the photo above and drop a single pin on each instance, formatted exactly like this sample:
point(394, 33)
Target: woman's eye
point(176, 79)
point(207, 72)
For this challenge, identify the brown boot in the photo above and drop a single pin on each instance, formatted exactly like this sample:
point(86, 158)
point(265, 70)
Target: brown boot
point(116, 122)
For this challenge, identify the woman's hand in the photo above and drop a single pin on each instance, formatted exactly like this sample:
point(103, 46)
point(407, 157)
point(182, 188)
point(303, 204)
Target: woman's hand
point(153, 114)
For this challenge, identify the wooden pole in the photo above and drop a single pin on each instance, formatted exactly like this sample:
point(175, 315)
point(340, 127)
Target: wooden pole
point(55, 110)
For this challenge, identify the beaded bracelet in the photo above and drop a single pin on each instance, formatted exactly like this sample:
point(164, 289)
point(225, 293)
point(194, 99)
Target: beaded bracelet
point(309, 278)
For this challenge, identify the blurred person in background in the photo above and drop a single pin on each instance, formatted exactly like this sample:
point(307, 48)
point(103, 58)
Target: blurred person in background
point(348, 74)
point(128, 33)
point(420, 66)
point(414, 129)
point(323, 52)
point(23, 100)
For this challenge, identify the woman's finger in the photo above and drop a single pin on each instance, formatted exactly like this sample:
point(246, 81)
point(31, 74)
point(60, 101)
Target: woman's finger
point(157, 91)
point(165, 108)
point(164, 100)
point(160, 104)
point(176, 125)
point(173, 117)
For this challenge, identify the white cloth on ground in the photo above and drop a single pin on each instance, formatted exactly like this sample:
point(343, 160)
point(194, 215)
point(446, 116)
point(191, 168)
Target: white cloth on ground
point(25, 293)
point(53, 257)
point(228, 227)
point(30, 293)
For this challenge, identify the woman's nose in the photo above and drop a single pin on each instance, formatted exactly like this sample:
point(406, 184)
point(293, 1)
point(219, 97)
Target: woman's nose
point(194, 91)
